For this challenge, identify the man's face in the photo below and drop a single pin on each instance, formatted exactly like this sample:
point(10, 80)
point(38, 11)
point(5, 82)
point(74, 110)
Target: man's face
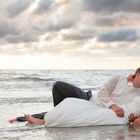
point(136, 81)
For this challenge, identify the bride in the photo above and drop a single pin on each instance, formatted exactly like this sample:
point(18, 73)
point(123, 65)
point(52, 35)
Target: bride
point(73, 112)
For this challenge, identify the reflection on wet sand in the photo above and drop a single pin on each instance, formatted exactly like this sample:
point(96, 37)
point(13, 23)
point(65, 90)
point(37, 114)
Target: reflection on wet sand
point(120, 132)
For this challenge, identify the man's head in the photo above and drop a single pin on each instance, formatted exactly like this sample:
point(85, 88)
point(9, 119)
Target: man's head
point(136, 78)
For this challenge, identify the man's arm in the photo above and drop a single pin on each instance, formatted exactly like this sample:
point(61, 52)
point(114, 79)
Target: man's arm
point(104, 95)
point(118, 110)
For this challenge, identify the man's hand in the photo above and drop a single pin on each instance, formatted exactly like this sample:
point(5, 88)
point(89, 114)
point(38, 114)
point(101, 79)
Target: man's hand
point(130, 78)
point(118, 110)
point(132, 118)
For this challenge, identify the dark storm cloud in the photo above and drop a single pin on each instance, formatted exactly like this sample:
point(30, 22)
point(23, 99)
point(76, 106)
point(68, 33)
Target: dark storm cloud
point(105, 21)
point(76, 36)
point(64, 24)
point(7, 29)
point(17, 7)
point(43, 6)
point(109, 6)
point(50, 25)
point(121, 35)
point(81, 35)
point(24, 37)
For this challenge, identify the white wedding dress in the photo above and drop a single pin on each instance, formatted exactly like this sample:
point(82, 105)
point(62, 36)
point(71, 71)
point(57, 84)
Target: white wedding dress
point(73, 112)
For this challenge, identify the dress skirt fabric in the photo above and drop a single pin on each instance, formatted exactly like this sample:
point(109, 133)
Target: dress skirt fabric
point(73, 112)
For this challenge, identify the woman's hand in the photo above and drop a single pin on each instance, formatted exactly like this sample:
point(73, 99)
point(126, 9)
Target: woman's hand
point(118, 110)
point(136, 123)
point(132, 118)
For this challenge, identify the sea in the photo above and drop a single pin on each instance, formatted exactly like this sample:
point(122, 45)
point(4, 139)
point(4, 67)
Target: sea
point(30, 91)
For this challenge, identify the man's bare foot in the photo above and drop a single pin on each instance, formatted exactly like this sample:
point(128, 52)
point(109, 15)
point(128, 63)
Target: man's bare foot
point(33, 120)
point(13, 120)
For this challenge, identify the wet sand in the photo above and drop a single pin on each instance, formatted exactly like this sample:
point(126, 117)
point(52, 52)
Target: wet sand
point(26, 132)
point(22, 131)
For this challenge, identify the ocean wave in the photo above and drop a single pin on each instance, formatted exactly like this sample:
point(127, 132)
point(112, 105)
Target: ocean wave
point(25, 100)
point(34, 79)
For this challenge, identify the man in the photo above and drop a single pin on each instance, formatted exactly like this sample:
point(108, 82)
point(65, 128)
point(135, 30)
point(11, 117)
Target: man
point(118, 90)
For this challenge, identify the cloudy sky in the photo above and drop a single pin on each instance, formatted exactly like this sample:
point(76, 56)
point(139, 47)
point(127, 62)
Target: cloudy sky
point(69, 34)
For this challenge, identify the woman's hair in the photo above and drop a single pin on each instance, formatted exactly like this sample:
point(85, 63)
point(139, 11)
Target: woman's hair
point(137, 71)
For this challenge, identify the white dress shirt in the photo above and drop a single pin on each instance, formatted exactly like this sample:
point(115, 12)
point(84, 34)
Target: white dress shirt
point(117, 90)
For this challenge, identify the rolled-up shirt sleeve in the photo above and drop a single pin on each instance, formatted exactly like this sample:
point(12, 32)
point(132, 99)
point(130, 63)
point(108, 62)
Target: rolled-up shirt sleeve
point(104, 94)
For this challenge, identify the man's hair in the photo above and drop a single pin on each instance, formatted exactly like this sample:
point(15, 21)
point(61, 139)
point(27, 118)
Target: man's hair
point(137, 71)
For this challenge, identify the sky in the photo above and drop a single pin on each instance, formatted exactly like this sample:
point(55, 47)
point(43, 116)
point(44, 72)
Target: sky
point(69, 34)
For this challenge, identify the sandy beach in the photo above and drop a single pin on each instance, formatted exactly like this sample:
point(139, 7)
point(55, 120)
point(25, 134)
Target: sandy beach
point(24, 131)
point(30, 92)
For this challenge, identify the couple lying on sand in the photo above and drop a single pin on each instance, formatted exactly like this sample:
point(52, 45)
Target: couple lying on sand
point(117, 102)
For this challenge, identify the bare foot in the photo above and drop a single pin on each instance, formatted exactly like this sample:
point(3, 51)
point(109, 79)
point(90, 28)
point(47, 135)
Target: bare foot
point(33, 120)
point(13, 120)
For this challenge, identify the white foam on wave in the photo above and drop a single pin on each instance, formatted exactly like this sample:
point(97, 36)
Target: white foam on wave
point(25, 94)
